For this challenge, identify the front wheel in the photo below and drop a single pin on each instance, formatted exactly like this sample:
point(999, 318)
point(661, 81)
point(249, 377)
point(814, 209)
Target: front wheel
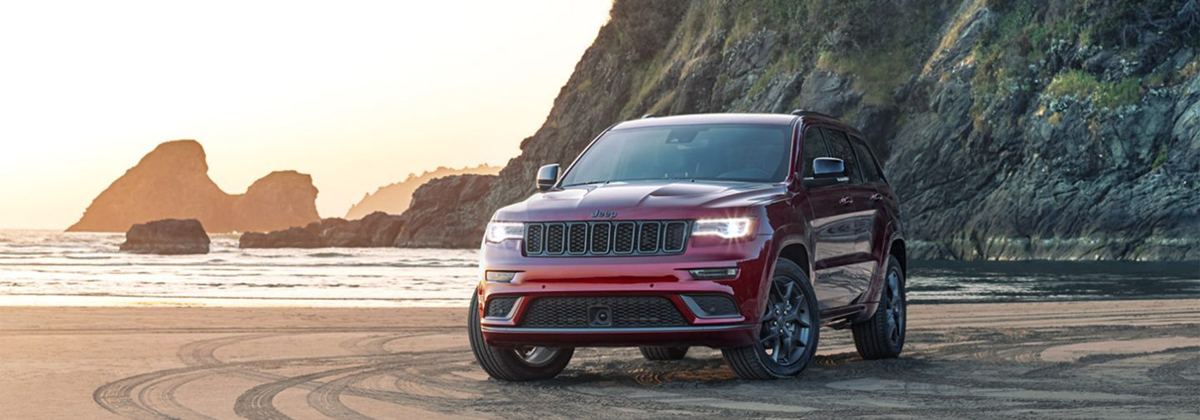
point(882, 336)
point(790, 329)
point(522, 363)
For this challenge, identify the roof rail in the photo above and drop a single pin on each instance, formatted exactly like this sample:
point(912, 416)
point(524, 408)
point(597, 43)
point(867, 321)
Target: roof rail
point(649, 116)
point(807, 113)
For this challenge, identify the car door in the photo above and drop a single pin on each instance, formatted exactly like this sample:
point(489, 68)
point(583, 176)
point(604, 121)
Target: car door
point(841, 226)
point(880, 203)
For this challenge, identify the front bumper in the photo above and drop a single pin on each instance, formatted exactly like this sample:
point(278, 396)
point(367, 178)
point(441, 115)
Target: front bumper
point(716, 336)
point(618, 277)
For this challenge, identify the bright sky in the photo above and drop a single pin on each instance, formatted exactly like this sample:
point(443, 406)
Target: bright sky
point(358, 94)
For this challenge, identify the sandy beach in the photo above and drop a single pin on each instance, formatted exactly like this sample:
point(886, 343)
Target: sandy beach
point(1109, 359)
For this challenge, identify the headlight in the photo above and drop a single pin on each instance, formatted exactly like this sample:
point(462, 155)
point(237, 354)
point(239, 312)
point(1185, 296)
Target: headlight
point(499, 231)
point(725, 228)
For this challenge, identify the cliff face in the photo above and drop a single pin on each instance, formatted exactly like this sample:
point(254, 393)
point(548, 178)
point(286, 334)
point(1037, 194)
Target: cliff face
point(394, 198)
point(171, 182)
point(1011, 129)
point(445, 200)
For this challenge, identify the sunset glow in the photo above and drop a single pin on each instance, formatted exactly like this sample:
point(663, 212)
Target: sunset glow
point(358, 95)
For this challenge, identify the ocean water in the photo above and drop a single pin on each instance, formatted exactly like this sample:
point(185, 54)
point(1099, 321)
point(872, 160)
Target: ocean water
point(55, 268)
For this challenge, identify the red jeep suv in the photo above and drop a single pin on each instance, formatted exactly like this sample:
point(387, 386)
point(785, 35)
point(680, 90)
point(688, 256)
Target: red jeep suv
point(742, 232)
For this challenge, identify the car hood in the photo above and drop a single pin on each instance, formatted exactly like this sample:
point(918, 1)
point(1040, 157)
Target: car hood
point(643, 200)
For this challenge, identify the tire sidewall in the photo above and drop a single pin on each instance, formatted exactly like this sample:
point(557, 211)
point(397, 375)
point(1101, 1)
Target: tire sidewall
point(503, 363)
point(893, 266)
point(789, 269)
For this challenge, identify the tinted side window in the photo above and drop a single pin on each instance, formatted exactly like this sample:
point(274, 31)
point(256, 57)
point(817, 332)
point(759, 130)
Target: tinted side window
point(870, 167)
point(814, 147)
point(839, 147)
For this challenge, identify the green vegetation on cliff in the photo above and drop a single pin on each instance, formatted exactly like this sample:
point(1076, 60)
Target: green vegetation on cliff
point(1065, 129)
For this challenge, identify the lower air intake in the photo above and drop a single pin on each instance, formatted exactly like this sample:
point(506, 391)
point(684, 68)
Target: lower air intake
point(627, 312)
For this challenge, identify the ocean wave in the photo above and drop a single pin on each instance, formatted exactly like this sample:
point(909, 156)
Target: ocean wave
point(23, 254)
point(86, 257)
point(329, 255)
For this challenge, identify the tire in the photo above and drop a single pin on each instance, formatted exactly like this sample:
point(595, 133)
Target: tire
point(663, 353)
point(801, 327)
point(882, 336)
point(515, 364)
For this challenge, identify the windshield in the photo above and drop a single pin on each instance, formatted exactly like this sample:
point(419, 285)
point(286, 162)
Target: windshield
point(726, 152)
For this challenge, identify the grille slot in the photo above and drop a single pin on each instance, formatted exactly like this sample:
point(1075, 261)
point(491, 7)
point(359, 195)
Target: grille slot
point(674, 236)
point(628, 311)
point(623, 240)
point(648, 237)
point(590, 239)
point(535, 238)
point(577, 238)
point(555, 236)
point(500, 307)
point(601, 236)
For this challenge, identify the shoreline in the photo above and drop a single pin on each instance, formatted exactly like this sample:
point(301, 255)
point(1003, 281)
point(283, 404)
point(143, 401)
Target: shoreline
point(126, 301)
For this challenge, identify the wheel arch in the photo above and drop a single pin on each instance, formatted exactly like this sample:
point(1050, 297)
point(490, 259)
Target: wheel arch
point(798, 253)
point(898, 251)
point(793, 249)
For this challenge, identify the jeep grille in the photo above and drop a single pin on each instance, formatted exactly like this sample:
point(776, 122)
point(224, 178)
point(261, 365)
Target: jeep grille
point(596, 239)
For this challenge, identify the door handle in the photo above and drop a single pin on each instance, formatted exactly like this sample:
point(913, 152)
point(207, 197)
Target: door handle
point(846, 200)
point(876, 197)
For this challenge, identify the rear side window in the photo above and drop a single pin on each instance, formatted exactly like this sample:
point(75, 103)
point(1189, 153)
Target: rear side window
point(870, 167)
point(814, 147)
point(839, 147)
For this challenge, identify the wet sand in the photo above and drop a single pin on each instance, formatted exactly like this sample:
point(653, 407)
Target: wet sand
point(1114, 359)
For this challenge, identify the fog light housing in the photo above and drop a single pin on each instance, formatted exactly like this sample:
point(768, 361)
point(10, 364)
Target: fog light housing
point(711, 306)
point(500, 276)
point(501, 307)
point(713, 273)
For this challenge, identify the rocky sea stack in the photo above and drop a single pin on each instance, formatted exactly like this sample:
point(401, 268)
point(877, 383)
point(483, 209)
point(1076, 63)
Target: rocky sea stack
point(376, 230)
point(172, 182)
point(1062, 130)
point(167, 237)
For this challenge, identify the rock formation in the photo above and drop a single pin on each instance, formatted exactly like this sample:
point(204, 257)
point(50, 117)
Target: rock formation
point(394, 198)
point(172, 182)
point(446, 217)
point(1010, 129)
point(167, 237)
point(280, 200)
point(375, 230)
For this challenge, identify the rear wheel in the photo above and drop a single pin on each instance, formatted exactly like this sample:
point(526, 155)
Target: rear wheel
point(789, 332)
point(664, 353)
point(882, 336)
point(522, 363)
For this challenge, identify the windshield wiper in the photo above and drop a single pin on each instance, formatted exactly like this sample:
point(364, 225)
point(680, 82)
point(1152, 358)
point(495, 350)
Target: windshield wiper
point(587, 183)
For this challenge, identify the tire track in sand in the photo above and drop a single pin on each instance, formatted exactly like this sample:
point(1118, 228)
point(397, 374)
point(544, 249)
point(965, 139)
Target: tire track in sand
point(155, 391)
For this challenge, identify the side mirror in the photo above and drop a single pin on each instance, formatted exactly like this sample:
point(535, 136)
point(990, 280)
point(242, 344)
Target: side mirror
point(827, 171)
point(827, 167)
point(547, 176)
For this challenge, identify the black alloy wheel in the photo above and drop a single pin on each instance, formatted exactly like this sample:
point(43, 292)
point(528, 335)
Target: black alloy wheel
point(882, 336)
point(789, 329)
